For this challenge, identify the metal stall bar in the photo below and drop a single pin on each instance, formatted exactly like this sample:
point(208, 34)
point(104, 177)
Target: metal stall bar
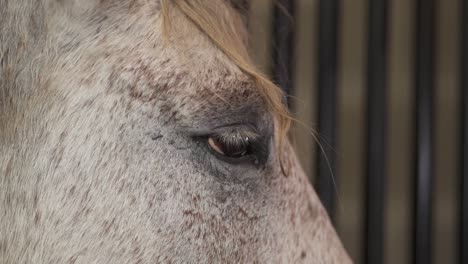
point(423, 178)
point(327, 103)
point(376, 126)
point(463, 170)
point(283, 44)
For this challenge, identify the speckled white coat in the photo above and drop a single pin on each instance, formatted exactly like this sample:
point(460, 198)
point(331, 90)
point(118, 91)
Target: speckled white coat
point(99, 156)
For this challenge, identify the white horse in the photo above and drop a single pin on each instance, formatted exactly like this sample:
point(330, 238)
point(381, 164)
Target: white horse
point(138, 131)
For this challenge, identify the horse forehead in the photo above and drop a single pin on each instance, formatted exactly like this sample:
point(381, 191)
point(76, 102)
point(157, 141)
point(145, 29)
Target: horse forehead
point(186, 56)
point(203, 76)
point(188, 68)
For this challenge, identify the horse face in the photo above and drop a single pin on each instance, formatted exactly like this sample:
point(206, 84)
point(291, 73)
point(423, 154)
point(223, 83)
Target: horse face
point(141, 149)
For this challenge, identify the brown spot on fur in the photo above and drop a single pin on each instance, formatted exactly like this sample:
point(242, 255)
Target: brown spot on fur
point(192, 213)
point(132, 6)
point(196, 198)
point(86, 195)
point(221, 197)
point(244, 213)
point(136, 250)
point(143, 82)
point(9, 167)
point(72, 191)
point(108, 225)
point(37, 217)
point(35, 200)
point(132, 199)
point(72, 260)
point(313, 213)
point(293, 218)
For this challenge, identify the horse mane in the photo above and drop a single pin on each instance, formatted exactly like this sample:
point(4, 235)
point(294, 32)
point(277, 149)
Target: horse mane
point(224, 26)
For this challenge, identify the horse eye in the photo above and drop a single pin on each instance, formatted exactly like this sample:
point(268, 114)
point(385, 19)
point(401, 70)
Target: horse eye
point(231, 146)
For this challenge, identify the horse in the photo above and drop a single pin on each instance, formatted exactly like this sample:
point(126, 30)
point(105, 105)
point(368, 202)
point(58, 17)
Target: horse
point(140, 131)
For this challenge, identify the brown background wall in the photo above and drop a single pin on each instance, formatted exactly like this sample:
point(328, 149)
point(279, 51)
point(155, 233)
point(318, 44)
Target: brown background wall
point(351, 116)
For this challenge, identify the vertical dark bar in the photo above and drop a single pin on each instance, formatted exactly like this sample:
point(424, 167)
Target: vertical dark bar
point(376, 126)
point(243, 7)
point(463, 165)
point(327, 102)
point(423, 178)
point(283, 44)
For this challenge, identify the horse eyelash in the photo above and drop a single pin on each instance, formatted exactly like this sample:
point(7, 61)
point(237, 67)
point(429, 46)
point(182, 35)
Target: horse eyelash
point(236, 139)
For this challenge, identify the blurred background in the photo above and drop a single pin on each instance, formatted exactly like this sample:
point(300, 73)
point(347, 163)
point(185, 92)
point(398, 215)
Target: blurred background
point(351, 112)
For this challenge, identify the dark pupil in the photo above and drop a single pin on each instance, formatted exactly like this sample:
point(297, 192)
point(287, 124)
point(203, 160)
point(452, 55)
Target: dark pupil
point(235, 151)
